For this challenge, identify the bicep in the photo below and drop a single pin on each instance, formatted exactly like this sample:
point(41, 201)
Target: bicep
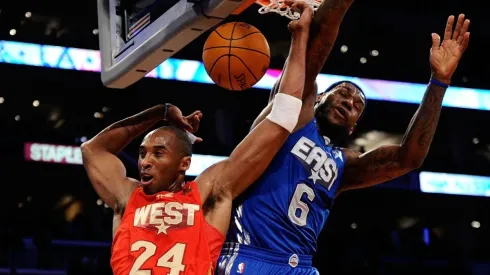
point(108, 176)
point(209, 181)
point(247, 162)
point(374, 167)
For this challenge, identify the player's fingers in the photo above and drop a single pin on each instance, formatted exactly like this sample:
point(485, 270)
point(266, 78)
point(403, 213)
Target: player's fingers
point(195, 113)
point(299, 6)
point(183, 124)
point(466, 41)
point(436, 41)
point(459, 26)
point(449, 28)
point(198, 139)
point(464, 30)
point(195, 123)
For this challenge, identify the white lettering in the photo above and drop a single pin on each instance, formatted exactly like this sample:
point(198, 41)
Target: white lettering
point(168, 213)
point(54, 153)
point(156, 211)
point(141, 215)
point(35, 152)
point(302, 147)
point(191, 209)
point(331, 172)
point(49, 153)
point(318, 155)
point(326, 167)
point(77, 156)
point(174, 217)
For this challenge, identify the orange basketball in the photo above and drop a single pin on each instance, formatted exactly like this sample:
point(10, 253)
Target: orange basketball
point(236, 55)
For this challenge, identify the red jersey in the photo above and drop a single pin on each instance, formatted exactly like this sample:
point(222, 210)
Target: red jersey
point(164, 233)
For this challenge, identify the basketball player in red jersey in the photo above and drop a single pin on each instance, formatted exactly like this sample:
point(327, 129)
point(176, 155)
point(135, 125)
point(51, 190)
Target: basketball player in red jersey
point(163, 225)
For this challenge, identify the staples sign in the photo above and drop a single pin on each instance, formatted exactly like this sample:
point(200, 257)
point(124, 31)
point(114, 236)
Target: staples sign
point(52, 153)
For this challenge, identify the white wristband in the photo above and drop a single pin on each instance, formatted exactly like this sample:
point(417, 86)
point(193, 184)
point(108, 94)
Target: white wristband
point(285, 111)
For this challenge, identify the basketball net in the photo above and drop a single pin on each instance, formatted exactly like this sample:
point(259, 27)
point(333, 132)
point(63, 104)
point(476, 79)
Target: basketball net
point(278, 6)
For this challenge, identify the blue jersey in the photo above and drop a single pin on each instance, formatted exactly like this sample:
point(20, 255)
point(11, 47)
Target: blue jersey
point(285, 210)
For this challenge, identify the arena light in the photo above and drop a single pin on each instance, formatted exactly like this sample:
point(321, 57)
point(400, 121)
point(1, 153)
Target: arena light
point(64, 154)
point(454, 184)
point(193, 71)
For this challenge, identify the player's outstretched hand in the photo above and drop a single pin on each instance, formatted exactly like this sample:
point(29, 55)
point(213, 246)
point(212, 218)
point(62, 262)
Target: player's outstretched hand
point(444, 58)
point(189, 123)
point(306, 15)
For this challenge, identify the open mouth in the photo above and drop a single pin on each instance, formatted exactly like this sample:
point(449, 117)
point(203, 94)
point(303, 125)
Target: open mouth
point(146, 178)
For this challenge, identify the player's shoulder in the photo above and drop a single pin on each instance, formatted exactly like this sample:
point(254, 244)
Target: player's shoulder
point(191, 190)
point(305, 127)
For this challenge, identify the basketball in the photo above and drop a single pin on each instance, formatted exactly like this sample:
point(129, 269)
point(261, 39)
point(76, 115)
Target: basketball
point(236, 56)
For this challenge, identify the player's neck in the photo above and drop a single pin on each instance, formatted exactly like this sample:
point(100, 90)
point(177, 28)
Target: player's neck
point(174, 187)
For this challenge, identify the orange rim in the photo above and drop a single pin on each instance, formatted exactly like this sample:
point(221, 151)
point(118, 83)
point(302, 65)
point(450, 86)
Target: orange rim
point(243, 7)
point(265, 3)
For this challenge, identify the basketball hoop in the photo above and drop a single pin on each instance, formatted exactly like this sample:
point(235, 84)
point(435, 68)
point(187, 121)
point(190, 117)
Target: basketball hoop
point(278, 6)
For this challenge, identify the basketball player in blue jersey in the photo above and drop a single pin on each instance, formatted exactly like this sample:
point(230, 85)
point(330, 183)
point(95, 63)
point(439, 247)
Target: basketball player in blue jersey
point(276, 223)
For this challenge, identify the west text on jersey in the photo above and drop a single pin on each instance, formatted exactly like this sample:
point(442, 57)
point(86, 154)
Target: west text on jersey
point(164, 215)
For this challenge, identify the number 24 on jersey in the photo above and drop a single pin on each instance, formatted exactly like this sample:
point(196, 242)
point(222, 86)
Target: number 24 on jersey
point(172, 259)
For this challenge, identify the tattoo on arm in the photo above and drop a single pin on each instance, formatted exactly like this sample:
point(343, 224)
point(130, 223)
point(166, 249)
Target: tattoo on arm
point(115, 137)
point(374, 167)
point(323, 33)
point(420, 132)
point(132, 125)
point(388, 162)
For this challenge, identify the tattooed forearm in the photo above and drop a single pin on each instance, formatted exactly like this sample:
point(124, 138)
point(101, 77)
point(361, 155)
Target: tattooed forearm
point(418, 137)
point(115, 137)
point(134, 124)
point(323, 33)
point(379, 165)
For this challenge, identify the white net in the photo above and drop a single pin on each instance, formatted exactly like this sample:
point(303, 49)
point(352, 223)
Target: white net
point(278, 6)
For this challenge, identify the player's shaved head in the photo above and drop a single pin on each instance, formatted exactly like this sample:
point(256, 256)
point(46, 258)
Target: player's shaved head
point(183, 141)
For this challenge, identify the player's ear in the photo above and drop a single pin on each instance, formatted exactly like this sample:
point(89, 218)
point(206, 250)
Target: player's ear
point(185, 164)
point(319, 97)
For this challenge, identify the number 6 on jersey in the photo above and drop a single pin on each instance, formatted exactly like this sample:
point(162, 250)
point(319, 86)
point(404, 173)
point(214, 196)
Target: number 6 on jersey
point(297, 205)
point(172, 259)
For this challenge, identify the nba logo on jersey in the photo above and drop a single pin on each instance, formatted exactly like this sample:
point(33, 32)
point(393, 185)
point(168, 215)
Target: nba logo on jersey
point(293, 260)
point(241, 268)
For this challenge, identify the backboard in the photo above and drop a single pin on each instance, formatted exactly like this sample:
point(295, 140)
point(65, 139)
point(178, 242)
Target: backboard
point(135, 36)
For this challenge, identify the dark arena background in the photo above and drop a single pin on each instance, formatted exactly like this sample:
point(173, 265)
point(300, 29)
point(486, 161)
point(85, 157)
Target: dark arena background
point(432, 221)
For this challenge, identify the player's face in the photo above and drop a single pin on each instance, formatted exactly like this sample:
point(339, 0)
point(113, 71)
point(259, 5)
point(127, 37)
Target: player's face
point(160, 162)
point(339, 109)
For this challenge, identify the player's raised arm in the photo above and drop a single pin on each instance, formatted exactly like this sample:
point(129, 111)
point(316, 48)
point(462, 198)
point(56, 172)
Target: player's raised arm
point(105, 171)
point(252, 156)
point(323, 33)
point(388, 162)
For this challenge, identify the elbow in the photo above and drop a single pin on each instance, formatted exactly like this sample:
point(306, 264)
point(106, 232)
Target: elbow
point(412, 158)
point(417, 163)
point(88, 149)
point(85, 147)
point(411, 164)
